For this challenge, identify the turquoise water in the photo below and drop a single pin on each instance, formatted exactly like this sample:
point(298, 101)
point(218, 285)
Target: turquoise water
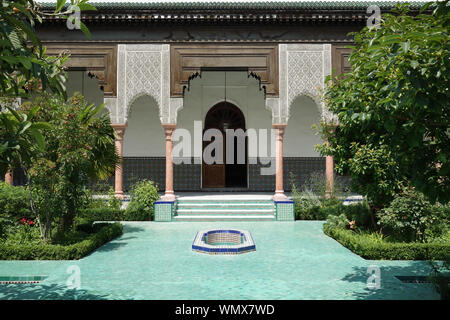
point(293, 260)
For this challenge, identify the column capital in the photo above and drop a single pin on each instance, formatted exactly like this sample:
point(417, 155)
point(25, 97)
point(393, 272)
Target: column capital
point(169, 126)
point(120, 130)
point(280, 127)
point(168, 130)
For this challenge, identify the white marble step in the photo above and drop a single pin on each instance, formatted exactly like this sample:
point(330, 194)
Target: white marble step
point(221, 204)
point(224, 211)
point(224, 218)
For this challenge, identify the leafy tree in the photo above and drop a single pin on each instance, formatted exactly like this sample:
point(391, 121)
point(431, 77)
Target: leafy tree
point(21, 138)
point(393, 107)
point(24, 64)
point(80, 147)
point(25, 68)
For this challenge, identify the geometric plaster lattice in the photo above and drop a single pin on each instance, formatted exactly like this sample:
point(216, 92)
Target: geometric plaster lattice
point(303, 69)
point(144, 69)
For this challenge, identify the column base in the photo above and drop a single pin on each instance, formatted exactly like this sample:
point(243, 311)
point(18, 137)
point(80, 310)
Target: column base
point(119, 195)
point(168, 197)
point(9, 178)
point(279, 196)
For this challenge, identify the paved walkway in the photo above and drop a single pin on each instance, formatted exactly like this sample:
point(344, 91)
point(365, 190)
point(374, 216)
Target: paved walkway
point(293, 260)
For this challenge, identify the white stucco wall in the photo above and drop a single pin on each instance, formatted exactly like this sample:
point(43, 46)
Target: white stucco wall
point(208, 90)
point(300, 138)
point(144, 136)
point(79, 81)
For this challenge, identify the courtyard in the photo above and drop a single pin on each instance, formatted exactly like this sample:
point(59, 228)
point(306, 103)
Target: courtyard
point(293, 260)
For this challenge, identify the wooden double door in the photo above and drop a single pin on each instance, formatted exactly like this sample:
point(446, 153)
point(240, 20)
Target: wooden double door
point(222, 116)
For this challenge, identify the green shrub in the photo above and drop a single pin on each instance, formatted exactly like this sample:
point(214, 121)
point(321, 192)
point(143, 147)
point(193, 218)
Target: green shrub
point(142, 196)
point(408, 216)
point(23, 233)
point(14, 201)
point(359, 212)
point(339, 221)
point(101, 214)
point(332, 206)
point(14, 204)
point(306, 205)
point(439, 231)
point(374, 249)
point(42, 251)
point(90, 227)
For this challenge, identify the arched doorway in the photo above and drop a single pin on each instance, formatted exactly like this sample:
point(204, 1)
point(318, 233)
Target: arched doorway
point(222, 116)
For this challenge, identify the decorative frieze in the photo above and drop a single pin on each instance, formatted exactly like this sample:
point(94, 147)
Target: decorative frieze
point(303, 69)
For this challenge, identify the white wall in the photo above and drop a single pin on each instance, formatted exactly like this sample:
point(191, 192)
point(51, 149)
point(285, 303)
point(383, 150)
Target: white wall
point(79, 81)
point(300, 138)
point(144, 136)
point(209, 90)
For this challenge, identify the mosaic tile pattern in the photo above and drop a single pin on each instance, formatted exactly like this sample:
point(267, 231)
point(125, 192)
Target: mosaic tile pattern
point(187, 177)
point(223, 241)
point(138, 168)
point(284, 210)
point(301, 168)
point(163, 211)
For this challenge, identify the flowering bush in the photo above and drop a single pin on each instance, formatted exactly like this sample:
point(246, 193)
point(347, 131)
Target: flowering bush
point(407, 218)
point(24, 231)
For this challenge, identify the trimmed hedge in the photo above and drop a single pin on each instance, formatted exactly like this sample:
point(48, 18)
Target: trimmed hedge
point(368, 249)
point(110, 214)
point(102, 214)
point(42, 251)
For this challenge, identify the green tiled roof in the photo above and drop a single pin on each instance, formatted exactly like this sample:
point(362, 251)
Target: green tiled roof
point(256, 5)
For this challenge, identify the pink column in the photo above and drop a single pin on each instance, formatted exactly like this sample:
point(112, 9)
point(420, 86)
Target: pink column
point(118, 183)
point(279, 188)
point(169, 194)
point(329, 170)
point(9, 177)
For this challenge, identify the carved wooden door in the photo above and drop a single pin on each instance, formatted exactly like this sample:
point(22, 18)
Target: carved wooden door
point(222, 116)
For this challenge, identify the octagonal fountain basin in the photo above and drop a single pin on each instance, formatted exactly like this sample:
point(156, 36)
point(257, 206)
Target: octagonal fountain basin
point(223, 241)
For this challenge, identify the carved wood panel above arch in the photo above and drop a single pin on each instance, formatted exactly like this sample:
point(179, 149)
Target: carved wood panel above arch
point(98, 60)
point(187, 62)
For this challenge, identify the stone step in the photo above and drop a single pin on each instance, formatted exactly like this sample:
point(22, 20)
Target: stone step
point(224, 205)
point(224, 210)
point(206, 201)
point(224, 218)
